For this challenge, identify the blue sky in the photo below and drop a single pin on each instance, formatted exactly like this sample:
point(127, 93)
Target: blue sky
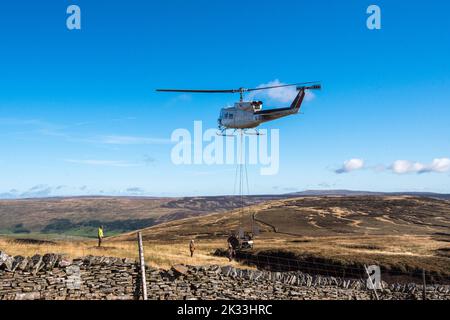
point(79, 114)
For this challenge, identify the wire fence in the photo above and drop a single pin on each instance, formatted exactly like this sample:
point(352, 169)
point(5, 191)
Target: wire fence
point(338, 269)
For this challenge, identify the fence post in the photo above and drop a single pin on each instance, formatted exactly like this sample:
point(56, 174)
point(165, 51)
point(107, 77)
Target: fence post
point(142, 263)
point(373, 285)
point(424, 289)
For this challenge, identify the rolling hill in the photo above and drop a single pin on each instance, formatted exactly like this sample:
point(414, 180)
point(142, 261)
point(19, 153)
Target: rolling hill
point(396, 232)
point(82, 215)
point(320, 216)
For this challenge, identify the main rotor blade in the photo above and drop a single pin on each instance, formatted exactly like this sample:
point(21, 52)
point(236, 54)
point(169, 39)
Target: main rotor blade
point(197, 91)
point(282, 86)
point(240, 90)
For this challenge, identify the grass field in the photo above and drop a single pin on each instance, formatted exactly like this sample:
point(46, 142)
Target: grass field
point(401, 233)
point(404, 253)
point(163, 255)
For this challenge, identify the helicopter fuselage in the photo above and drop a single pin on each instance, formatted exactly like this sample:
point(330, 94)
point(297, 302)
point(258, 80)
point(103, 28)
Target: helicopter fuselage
point(241, 116)
point(249, 115)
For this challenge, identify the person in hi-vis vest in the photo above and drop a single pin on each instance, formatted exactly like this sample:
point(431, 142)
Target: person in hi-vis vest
point(100, 235)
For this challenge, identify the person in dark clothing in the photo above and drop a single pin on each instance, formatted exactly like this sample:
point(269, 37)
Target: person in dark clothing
point(231, 252)
point(192, 248)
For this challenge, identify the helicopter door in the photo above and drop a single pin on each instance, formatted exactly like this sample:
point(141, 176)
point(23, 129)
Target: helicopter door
point(232, 117)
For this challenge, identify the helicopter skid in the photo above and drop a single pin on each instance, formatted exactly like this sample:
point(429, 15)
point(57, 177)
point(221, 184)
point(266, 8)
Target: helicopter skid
point(256, 133)
point(223, 132)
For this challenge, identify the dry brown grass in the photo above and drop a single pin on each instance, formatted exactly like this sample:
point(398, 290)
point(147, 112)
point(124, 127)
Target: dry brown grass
point(400, 252)
point(403, 232)
point(404, 252)
point(161, 255)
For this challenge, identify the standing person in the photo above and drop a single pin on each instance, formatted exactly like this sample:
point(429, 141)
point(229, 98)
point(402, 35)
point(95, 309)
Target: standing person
point(233, 243)
point(100, 236)
point(192, 248)
point(230, 251)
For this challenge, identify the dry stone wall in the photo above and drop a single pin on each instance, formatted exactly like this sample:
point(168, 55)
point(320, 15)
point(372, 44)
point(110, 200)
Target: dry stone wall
point(53, 277)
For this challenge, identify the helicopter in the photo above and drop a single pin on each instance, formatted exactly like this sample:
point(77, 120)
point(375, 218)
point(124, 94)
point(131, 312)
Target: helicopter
point(246, 115)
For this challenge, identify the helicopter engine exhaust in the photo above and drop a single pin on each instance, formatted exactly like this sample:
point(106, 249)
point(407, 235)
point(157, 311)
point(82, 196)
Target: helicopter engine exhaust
point(314, 87)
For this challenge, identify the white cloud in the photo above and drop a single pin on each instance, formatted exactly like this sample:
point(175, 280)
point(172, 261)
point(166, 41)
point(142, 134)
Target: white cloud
point(38, 191)
point(148, 160)
point(281, 95)
point(404, 166)
point(437, 165)
point(45, 191)
point(107, 163)
point(136, 191)
point(441, 165)
point(351, 165)
point(130, 140)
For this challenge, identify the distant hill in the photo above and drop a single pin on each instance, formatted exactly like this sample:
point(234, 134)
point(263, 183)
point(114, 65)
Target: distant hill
point(81, 216)
point(399, 232)
point(403, 234)
point(367, 193)
point(319, 216)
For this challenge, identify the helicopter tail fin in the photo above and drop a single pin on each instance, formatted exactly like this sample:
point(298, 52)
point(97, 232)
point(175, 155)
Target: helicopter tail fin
point(296, 104)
